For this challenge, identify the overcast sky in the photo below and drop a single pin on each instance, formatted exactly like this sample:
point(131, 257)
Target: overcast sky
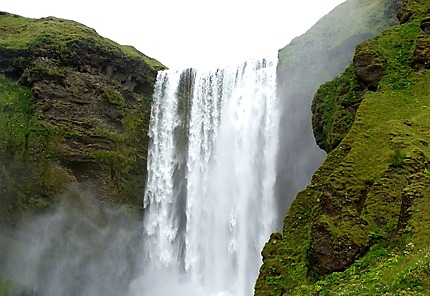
point(181, 33)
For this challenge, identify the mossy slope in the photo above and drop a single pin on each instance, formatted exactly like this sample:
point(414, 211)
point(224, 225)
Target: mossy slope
point(361, 226)
point(74, 116)
point(74, 108)
point(308, 61)
point(56, 34)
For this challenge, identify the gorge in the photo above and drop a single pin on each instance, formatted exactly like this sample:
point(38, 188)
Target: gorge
point(229, 152)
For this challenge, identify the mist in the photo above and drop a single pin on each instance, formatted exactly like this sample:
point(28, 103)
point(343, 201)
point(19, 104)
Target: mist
point(84, 247)
point(81, 248)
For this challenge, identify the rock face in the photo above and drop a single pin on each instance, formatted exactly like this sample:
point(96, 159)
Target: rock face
point(87, 118)
point(358, 228)
point(307, 62)
point(421, 59)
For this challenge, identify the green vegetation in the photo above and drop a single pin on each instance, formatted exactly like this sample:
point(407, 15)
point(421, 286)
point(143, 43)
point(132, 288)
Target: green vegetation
point(397, 159)
point(16, 119)
point(334, 36)
point(25, 148)
point(361, 226)
point(414, 9)
point(18, 34)
point(38, 71)
point(5, 287)
point(334, 107)
point(74, 107)
point(336, 102)
point(24, 141)
point(104, 133)
point(384, 270)
point(115, 98)
point(134, 150)
point(74, 118)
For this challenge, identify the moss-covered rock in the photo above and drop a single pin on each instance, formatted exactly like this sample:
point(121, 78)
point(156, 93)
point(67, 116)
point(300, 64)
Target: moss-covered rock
point(308, 61)
point(358, 228)
point(413, 10)
point(333, 109)
point(75, 107)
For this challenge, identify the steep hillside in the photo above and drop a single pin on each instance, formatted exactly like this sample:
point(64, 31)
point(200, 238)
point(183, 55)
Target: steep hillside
point(74, 109)
point(306, 63)
point(361, 226)
point(74, 116)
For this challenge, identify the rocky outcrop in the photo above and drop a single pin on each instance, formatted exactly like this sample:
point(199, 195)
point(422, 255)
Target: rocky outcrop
point(335, 103)
point(88, 114)
point(358, 227)
point(373, 63)
point(413, 10)
point(421, 59)
point(307, 62)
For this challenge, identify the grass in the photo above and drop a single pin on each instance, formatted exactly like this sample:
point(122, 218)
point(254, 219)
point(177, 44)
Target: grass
point(19, 34)
point(33, 139)
point(16, 119)
point(414, 9)
point(334, 107)
point(356, 19)
point(380, 163)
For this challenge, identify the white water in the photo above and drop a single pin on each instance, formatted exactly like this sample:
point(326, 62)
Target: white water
point(209, 203)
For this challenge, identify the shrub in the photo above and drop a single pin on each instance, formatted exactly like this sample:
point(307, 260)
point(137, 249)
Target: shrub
point(397, 159)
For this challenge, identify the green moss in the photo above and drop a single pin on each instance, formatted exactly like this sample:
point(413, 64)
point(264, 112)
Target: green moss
point(333, 37)
point(133, 52)
point(386, 269)
point(394, 49)
point(16, 119)
point(20, 33)
point(334, 107)
point(397, 159)
point(133, 150)
point(103, 157)
point(107, 134)
point(43, 71)
point(25, 149)
point(336, 102)
point(413, 10)
point(6, 287)
point(114, 97)
point(372, 190)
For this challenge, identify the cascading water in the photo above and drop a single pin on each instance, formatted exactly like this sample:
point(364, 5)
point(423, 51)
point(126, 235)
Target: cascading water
point(209, 203)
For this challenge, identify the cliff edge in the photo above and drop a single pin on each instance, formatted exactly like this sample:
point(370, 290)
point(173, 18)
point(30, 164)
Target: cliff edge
point(75, 113)
point(361, 226)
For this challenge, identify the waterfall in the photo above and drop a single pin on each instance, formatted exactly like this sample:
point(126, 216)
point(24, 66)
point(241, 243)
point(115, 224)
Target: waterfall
point(209, 203)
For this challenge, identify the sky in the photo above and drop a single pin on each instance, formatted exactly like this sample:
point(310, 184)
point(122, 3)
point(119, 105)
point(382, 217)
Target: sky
point(189, 33)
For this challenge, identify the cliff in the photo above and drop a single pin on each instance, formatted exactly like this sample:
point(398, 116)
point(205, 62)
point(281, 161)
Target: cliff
point(74, 114)
point(361, 226)
point(307, 62)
